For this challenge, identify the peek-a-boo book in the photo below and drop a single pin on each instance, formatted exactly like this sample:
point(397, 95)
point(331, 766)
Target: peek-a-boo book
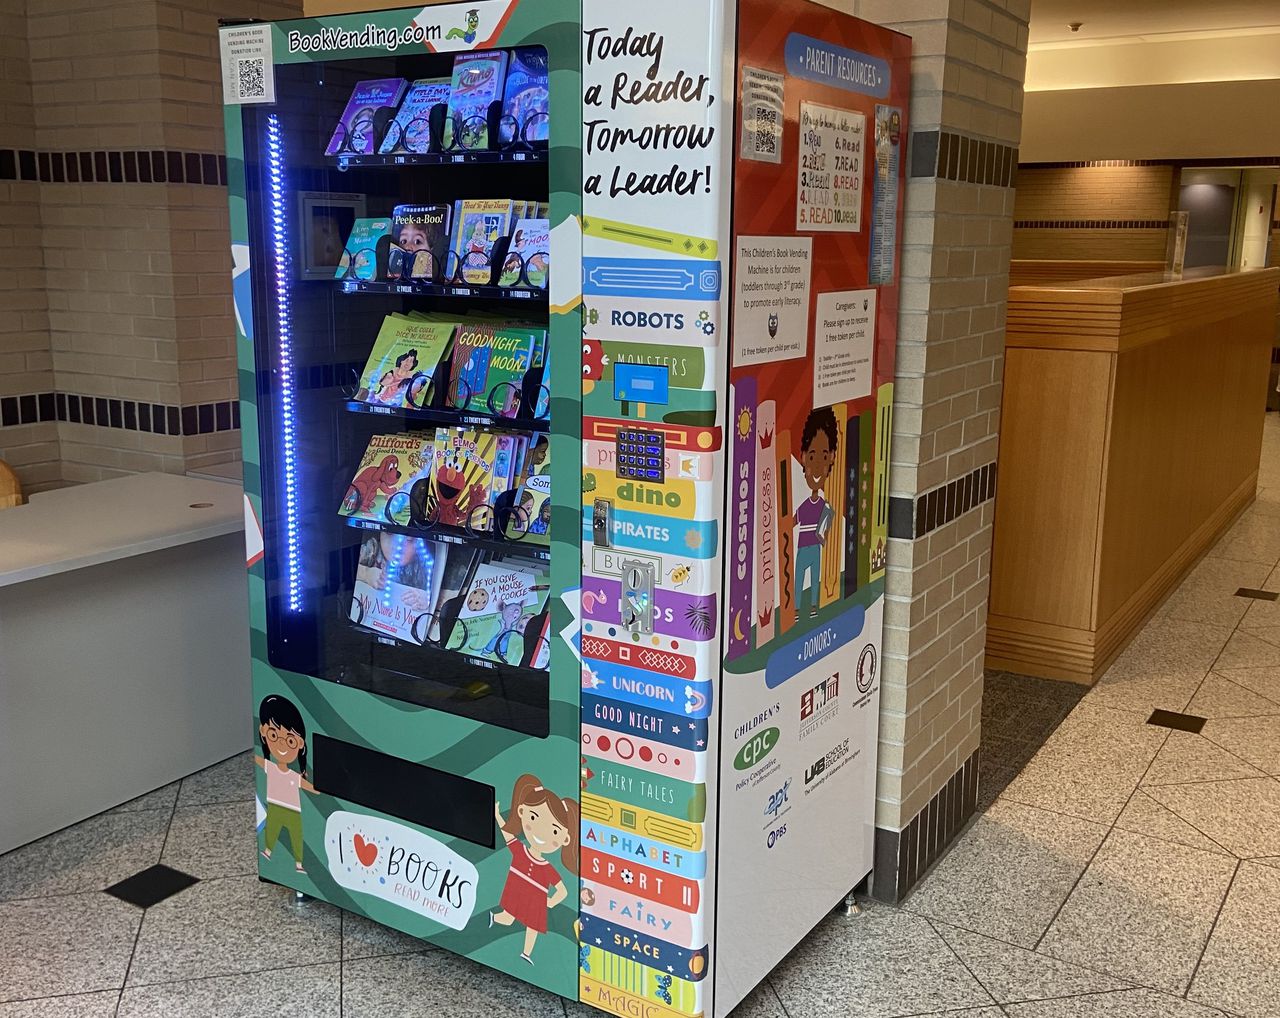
point(576, 793)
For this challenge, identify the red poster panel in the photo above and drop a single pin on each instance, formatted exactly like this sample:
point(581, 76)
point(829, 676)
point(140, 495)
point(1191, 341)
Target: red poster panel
point(821, 137)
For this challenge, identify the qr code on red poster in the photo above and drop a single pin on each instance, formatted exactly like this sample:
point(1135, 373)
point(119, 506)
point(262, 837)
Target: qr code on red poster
point(766, 132)
point(763, 100)
point(251, 78)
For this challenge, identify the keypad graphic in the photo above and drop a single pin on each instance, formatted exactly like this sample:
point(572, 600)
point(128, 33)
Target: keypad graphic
point(640, 456)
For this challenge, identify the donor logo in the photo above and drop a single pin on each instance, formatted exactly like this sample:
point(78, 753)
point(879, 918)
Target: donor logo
point(819, 705)
point(402, 866)
point(756, 749)
point(826, 765)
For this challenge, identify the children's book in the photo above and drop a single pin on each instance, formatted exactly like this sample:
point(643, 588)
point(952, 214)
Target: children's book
point(405, 351)
point(458, 562)
point(511, 357)
point(478, 224)
point(503, 464)
point(477, 82)
point(525, 96)
point(422, 231)
point(411, 131)
point(471, 352)
point(531, 240)
point(462, 480)
point(532, 520)
point(380, 490)
point(490, 365)
point(539, 459)
point(397, 585)
point(497, 606)
point(354, 133)
point(360, 257)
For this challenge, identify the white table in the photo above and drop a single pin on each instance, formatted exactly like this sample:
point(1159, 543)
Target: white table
point(124, 657)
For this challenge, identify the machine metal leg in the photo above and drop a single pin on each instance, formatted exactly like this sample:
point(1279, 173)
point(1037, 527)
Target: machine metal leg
point(851, 906)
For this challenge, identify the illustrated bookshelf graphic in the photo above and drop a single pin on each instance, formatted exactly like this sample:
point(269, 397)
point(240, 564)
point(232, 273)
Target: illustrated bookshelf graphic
point(567, 394)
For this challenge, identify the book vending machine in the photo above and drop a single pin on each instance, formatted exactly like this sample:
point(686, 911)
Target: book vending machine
point(566, 337)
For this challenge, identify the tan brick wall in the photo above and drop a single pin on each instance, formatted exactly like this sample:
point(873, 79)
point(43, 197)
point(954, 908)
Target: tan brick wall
point(26, 361)
point(968, 68)
point(137, 295)
point(1084, 193)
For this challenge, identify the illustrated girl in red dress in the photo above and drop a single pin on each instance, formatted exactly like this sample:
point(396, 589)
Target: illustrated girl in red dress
point(534, 887)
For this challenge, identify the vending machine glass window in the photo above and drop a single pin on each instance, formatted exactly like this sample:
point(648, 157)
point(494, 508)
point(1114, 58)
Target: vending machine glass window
point(404, 417)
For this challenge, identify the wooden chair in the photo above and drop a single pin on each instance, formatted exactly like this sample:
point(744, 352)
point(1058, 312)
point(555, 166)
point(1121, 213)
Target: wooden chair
point(10, 487)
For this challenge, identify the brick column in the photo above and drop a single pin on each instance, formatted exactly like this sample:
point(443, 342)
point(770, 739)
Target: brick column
point(969, 59)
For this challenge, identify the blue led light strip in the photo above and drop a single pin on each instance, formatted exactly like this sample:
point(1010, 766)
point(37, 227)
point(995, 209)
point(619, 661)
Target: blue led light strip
point(284, 340)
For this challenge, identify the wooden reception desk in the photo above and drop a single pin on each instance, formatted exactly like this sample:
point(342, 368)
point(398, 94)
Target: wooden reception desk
point(1129, 439)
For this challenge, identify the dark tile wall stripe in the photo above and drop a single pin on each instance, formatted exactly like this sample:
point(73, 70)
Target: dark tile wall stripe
point(1233, 162)
point(1091, 224)
point(912, 519)
point(903, 857)
point(952, 156)
point(125, 414)
point(114, 167)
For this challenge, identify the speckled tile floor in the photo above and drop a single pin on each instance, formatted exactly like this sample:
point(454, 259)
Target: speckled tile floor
point(1118, 869)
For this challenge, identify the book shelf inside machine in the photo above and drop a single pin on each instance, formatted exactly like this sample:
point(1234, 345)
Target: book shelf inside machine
point(405, 420)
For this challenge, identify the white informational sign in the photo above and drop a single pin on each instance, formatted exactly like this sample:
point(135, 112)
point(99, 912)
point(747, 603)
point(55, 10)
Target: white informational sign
point(771, 299)
point(400, 865)
point(829, 177)
point(248, 72)
point(844, 339)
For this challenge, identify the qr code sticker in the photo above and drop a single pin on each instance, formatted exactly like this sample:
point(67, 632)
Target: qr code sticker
point(251, 78)
point(766, 133)
point(763, 103)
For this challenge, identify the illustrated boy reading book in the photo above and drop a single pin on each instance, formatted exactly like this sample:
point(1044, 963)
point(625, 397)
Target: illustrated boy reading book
point(814, 515)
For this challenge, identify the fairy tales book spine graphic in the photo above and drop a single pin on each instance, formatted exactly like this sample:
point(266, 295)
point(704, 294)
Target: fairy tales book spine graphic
point(654, 152)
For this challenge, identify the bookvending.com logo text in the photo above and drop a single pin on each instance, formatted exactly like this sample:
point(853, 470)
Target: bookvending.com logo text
point(369, 37)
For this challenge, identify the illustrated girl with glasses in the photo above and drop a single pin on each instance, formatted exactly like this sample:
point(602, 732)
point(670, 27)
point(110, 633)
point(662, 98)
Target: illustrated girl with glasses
point(284, 740)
